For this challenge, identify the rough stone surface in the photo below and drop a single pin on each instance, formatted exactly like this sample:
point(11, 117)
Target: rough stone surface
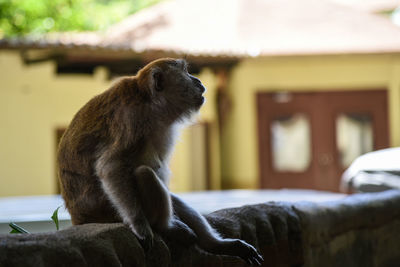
point(361, 230)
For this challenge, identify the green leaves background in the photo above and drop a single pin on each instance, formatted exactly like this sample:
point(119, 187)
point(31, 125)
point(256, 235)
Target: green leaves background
point(21, 17)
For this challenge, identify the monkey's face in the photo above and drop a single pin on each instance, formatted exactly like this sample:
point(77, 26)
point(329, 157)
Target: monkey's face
point(174, 88)
point(195, 89)
point(184, 92)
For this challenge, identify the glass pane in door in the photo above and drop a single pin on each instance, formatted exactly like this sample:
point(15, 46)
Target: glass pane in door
point(354, 136)
point(291, 143)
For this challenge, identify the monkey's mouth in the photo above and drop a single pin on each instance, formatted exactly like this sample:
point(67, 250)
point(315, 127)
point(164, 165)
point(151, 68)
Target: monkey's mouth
point(201, 98)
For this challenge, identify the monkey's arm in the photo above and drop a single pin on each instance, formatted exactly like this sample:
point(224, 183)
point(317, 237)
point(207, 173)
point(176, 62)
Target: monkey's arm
point(209, 239)
point(141, 199)
point(118, 181)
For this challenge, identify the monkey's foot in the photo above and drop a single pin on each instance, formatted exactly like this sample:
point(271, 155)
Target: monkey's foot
point(239, 248)
point(247, 252)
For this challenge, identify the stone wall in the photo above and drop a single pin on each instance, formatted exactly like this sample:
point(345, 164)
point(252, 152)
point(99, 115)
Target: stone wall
point(361, 230)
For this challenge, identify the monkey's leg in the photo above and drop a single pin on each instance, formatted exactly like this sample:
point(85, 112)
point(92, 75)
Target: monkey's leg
point(156, 203)
point(86, 202)
point(208, 238)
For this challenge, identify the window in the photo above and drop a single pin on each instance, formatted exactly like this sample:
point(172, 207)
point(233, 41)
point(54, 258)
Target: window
point(291, 143)
point(354, 136)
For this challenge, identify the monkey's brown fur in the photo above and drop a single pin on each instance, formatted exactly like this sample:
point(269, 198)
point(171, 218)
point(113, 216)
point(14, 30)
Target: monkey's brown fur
point(113, 159)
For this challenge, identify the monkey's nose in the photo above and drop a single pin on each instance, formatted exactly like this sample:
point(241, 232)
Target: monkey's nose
point(202, 88)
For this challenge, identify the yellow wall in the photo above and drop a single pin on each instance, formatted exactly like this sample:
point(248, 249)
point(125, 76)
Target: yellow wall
point(34, 102)
point(239, 141)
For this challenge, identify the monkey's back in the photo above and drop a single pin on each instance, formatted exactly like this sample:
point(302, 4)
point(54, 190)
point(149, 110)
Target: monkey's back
point(81, 188)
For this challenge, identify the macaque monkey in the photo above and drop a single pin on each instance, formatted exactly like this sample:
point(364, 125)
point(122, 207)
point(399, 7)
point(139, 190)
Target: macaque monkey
point(113, 159)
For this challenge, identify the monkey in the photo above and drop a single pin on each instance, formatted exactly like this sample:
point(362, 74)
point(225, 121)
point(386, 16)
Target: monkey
point(113, 159)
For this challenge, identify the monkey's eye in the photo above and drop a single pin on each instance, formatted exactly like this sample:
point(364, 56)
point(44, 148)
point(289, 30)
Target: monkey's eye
point(185, 68)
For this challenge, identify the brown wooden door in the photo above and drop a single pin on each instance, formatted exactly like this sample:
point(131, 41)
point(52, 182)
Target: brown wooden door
point(306, 140)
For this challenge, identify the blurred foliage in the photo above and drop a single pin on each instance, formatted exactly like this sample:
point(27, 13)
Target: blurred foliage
point(21, 17)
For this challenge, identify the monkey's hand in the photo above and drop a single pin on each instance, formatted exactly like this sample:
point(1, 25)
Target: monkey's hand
point(245, 251)
point(144, 234)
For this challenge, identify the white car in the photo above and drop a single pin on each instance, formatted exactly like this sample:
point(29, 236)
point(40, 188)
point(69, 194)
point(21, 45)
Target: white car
point(374, 171)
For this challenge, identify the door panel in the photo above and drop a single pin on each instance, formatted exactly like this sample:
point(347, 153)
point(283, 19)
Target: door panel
point(308, 139)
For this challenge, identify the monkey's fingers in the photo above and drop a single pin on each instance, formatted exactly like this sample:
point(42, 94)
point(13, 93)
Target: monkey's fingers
point(257, 260)
point(144, 234)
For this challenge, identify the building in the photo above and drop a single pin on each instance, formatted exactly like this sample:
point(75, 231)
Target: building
point(296, 90)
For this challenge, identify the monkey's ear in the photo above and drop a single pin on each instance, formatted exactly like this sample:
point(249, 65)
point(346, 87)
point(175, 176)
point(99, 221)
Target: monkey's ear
point(150, 80)
point(158, 80)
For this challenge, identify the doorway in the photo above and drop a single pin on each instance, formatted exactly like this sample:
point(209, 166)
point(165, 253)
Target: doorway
point(307, 139)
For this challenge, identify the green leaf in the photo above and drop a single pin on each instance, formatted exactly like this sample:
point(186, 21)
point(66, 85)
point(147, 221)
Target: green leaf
point(20, 17)
point(55, 218)
point(16, 229)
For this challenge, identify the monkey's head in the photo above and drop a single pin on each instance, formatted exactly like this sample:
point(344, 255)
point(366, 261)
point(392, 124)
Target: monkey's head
point(167, 84)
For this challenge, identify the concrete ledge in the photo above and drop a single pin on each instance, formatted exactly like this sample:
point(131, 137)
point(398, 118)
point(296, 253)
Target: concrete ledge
point(361, 230)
